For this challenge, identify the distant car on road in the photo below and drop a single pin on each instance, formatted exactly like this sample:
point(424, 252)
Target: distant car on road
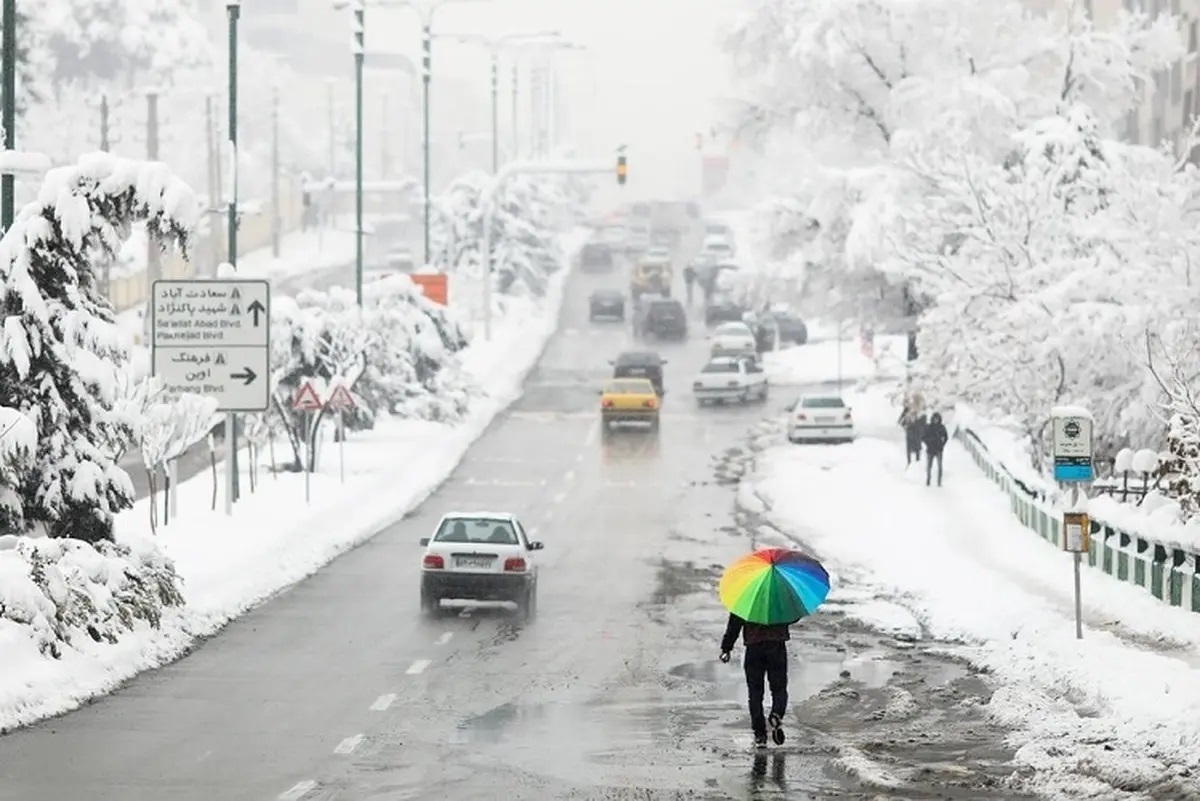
point(640, 364)
point(480, 556)
point(657, 254)
point(606, 303)
point(732, 339)
point(726, 379)
point(820, 418)
point(629, 400)
point(720, 309)
point(662, 318)
point(400, 259)
point(596, 257)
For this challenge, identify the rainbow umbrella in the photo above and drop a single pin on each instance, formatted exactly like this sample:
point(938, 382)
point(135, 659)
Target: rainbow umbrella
point(774, 586)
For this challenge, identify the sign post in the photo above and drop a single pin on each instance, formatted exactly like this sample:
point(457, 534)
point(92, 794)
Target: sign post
point(213, 338)
point(339, 401)
point(308, 402)
point(1072, 450)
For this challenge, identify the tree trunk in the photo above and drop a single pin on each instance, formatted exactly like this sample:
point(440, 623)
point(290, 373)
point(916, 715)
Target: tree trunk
point(151, 481)
point(253, 466)
point(166, 494)
point(212, 460)
point(271, 447)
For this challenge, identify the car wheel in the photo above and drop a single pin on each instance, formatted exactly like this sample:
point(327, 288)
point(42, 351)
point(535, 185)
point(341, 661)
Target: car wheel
point(766, 391)
point(654, 424)
point(430, 603)
point(525, 604)
point(746, 397)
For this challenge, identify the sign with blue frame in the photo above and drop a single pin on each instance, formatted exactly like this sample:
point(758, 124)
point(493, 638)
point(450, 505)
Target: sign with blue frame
point(1072, 444)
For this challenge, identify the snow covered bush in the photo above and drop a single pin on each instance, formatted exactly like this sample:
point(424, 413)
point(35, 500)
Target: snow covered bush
point(63, 351)
point(62, 593)
point(528, 216)
point(396, 355)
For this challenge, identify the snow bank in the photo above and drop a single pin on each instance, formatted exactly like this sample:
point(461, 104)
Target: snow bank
point(274, 539)
point(817, 362)
point(1120, 708)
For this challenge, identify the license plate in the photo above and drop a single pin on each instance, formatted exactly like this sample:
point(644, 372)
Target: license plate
point(635, 371)
point(824, 419)
point(474, 561)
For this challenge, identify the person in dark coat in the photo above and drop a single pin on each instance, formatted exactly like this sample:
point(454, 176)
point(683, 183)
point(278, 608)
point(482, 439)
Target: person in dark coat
point(935, 443)
point(689, 282)
point(766, 659)
point(913, 421)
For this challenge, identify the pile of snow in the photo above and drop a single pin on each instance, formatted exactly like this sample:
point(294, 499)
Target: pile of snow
point(825, 360)
point(1113, 713)
point(274, 538)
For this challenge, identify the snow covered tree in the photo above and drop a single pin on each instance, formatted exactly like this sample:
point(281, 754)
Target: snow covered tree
point(62, 349)
point(18, 443)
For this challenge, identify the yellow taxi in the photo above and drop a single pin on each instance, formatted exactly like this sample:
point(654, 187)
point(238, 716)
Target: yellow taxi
point(629, 400)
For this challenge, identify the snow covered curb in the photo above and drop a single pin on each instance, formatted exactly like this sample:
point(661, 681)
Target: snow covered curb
point(229, 565)
point(1117, 709)
point(1161, 557)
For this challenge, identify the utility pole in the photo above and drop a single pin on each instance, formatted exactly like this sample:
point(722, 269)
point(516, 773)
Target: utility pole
point(211, 141)
point(385, 135)
point(231, 465)
point(359, 59)
point(516, 128)
point(426, 77)
point(9, 70)
point(275, 221)
point(332, 130)
point(104, 140)
point(153, 256)
point(495, 112)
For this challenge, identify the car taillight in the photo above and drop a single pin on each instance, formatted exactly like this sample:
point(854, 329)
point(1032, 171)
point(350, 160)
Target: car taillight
point(434, 562)
point(514, 565)
point(801, 417)
point(650, 404)
point(847, 415)
point(606, 403)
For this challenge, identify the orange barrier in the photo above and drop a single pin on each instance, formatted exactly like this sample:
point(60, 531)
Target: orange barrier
point(435, 286)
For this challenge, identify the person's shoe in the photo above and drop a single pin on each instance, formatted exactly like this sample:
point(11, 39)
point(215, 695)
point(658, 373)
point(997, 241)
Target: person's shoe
point(776, 724)
point(760, 741)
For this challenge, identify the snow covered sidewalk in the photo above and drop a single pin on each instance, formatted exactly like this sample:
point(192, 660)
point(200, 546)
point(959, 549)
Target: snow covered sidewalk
point(274, 539)
point(1118, 709)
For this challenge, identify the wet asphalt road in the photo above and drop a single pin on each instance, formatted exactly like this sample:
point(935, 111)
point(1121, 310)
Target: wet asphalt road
point(340, 689)
point(199, 457)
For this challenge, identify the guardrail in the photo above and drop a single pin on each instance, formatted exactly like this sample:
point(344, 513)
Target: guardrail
point(1169, 573)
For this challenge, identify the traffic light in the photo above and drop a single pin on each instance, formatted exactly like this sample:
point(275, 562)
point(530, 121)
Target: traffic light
point(622, 170)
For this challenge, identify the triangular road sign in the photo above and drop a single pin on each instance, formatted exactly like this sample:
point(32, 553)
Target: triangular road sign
point(340, 399)
point(306, 399)
point(235, 294)
point(236, 310)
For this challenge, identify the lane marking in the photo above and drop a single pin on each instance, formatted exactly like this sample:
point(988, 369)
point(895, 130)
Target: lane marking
point(593, 432)
point(298, 791)
point(445, 638)
point(383, 702)
point(560, 497)
point(348, 745)
point(569, 476)
point(420, 665)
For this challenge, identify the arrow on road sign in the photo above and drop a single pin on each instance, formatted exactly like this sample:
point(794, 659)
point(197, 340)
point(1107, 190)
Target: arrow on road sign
point(246, 375)
point(256, 309)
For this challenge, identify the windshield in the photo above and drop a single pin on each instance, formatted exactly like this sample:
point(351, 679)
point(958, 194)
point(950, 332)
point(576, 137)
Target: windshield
point(720, 367)
point(822, 403)
point(732, 329)
point(487, 530)
point(630, 386)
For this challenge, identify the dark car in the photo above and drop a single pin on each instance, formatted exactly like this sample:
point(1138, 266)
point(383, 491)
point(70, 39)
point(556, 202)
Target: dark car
point(596, 257)
point(664, 319)
point(607, 303)
point(791, 328)
point(722, 309)
point(640, 364)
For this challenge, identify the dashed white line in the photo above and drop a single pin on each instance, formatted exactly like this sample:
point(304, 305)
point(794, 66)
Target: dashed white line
point(569, 476)
point(560, 497)
point(593, 432)
point(445, 638)
point(298, 791)
point(348, 745)
point(420, 665)
point(383, 702)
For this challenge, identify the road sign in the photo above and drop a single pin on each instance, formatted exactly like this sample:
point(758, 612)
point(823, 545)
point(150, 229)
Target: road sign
point(434, 286)
point(340, 399)
point(1072, 445)
point(306, 399)
point(214, 338)
point(1077, 532)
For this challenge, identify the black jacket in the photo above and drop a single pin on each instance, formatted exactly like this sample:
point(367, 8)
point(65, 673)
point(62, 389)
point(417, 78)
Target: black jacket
point(752, 633)
point(935, 436)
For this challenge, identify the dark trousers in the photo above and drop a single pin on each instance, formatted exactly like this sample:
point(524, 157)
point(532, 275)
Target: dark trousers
point(914, 452)
point(766, 661)
point(929, 457)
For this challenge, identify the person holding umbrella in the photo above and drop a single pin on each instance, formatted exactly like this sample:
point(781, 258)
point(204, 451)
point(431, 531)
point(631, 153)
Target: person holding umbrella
point(765, 592)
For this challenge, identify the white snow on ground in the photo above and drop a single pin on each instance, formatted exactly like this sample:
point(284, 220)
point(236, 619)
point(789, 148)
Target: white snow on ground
point(273, 538)
point(799, 364)
point(1121, 708)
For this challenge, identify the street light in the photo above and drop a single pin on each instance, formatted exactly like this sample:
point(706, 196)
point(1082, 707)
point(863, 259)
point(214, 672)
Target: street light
point(543, 46)
point(234, 10)
point(9, 70)
point(494, 45)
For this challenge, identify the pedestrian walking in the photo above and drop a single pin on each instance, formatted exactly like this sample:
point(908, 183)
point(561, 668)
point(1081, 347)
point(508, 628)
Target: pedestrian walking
point(689, 282)
point(935, 443)
point(912, 419)
point(765, 663)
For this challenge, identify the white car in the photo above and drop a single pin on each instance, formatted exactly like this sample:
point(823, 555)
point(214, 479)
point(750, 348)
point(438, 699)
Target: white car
point(726, 379)
point(732, 339)
point(401, 260)
point(820, 418)
point(638, 238)
point(657, 253)
point(717, 247)
point(480, 556)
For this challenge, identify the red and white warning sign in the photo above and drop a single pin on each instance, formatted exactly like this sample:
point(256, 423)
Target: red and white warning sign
point(340, 399)
point(307, 399)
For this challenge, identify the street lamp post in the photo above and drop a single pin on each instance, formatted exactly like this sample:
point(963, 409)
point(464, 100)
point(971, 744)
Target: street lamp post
point(233, 7)
point(9, 69)
point(360, 31)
